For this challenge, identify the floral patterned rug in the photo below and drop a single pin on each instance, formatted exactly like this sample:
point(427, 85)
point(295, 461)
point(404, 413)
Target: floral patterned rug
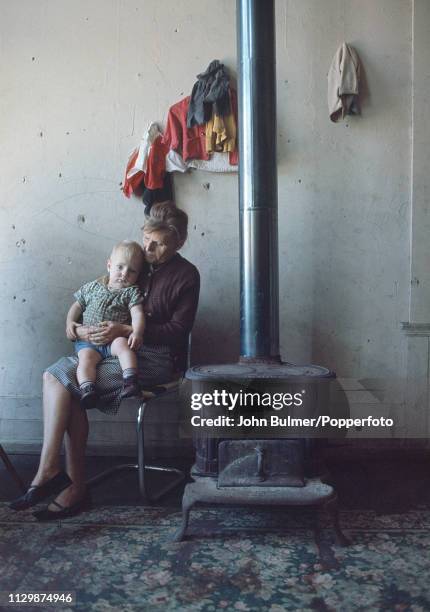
point(263, 559)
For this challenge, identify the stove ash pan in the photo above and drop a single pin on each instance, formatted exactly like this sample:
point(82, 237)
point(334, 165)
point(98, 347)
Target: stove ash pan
point(261, 463)
point(258, 462)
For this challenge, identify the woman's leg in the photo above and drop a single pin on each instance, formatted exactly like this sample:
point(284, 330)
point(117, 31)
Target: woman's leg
point(75, 445)
point(63, 417)
point(57, 407)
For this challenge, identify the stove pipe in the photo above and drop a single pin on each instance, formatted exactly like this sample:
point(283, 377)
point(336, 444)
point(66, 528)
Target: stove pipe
point(258, 189)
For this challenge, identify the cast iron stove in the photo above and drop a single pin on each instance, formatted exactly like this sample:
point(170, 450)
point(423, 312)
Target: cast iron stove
point(258, 469)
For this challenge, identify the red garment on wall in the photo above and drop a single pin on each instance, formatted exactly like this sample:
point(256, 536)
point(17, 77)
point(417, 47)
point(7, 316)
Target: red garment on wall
point(191, 142)
point(156, 165)
point(134, 184)
point(155, 170)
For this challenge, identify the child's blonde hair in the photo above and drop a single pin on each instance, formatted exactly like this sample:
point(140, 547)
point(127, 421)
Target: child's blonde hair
point(130, 249)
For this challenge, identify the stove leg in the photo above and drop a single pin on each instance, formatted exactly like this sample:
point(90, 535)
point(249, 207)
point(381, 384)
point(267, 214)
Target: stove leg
point(187, 503)
point(331, 506)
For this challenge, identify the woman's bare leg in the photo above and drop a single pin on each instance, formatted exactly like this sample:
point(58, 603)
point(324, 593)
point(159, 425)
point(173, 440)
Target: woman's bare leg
point(63, 418)
point(75, 446)
point(57, 406)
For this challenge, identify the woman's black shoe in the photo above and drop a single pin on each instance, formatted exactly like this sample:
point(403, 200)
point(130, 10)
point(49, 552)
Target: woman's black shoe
point(37, 493)
point(64, 511)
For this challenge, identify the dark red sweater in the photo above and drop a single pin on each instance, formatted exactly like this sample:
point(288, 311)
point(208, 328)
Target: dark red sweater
point(171, 295)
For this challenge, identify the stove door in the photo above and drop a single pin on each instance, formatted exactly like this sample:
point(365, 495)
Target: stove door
point(262, 463)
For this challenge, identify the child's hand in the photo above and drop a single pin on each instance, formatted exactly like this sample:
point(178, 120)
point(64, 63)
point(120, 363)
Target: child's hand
point(71, 330)
point(135, 341)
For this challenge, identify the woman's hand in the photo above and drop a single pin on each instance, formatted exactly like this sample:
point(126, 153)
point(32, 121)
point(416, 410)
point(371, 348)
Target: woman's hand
point(82, 332)
point(107, 331)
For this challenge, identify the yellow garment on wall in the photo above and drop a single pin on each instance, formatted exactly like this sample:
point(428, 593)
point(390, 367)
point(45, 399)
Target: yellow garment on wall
point(221, 134)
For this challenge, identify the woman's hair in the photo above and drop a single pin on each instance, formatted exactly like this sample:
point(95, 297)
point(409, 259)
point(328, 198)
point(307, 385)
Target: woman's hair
point(166, 217)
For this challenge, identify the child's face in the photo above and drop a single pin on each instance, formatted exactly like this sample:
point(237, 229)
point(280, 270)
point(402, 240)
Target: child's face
point(123, 270)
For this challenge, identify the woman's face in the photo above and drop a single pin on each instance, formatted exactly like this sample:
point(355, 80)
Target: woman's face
point(159, 247)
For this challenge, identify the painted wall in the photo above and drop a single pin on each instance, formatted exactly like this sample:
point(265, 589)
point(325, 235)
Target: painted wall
point(81, 81)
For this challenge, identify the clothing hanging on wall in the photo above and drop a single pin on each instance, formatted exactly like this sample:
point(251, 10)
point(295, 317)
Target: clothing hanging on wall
point(133, 180)
point(343, 83)
point(152, 196)
point(218, 162)
point(209, 143)
point(137, 164)
point(221, 131)
point(191, 142)
point(156, 164)
point(175, 162)
point(148, 138)
point(153, 184)
point(210, 94)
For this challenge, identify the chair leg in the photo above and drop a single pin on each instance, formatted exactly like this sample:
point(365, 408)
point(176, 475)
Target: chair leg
point(143, 468)
point(116, 469)
point(141, 455)
point(12, 470)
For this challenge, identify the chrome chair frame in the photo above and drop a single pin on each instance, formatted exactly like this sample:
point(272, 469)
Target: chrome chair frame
point(141, 466)
point(178, 475)
point(159, 392)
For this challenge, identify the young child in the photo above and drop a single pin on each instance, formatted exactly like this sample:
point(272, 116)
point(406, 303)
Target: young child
point(111, 298)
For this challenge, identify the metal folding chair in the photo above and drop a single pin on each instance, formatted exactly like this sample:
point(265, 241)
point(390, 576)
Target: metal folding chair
point(149, 399)
point(143, 405)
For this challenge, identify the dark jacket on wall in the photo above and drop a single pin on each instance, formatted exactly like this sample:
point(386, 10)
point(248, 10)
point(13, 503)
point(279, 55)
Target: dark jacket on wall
point(209, 94)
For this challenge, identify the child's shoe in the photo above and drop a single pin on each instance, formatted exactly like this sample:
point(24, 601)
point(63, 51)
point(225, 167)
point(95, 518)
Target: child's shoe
point(130, 387)
point(88, 395)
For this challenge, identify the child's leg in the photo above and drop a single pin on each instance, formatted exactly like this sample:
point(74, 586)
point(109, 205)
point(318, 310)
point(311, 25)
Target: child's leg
point(86, 376)
point(127, 358)
point(88, 360)
point(128, 361)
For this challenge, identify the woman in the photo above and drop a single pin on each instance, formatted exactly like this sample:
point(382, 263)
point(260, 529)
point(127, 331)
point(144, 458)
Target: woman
point(170, 286)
